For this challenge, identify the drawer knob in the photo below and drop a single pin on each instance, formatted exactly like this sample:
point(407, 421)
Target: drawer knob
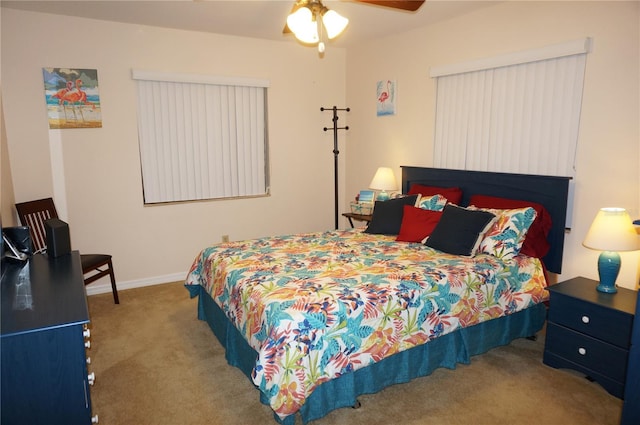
point(91, 378)
point(86, 333)
point(585, 319)
point(582, 351)
point(94, 419)
point(87, 344)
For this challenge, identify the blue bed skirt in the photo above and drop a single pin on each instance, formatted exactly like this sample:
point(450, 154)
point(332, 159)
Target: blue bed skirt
point(446, 351)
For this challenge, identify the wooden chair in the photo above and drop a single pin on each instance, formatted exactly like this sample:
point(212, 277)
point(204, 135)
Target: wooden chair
point(35, 213)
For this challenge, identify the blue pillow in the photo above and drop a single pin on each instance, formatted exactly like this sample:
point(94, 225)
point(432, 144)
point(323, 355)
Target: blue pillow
point(387, 215)
point(460, 230)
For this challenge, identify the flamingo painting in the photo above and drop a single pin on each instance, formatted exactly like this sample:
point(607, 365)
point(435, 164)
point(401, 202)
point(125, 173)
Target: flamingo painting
point(76, 97)
point(74, 90)
point(386, 97)
point(60, 93)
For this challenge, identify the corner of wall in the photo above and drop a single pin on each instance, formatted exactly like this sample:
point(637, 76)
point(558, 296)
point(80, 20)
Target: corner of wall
point(7, 197)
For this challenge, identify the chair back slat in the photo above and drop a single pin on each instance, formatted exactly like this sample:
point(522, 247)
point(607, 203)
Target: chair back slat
point(34, 214)
point(35, 222)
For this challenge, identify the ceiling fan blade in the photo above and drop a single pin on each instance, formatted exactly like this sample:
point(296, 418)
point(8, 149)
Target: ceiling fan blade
point(410, 5)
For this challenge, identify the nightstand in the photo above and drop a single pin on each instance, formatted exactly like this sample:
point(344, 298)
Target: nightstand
point(358, 217)
point(590, 331)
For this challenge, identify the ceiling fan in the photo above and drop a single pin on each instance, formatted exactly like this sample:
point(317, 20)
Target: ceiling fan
point(305, 16)
point(410, 5)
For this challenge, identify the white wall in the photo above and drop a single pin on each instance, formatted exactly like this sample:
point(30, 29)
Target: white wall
point(96, 178)
point(100, 173)
point(607, 166)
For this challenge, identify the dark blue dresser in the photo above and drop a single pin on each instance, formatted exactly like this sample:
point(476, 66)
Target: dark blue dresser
point(590, 331)
point(631, 407)
point(44, 365)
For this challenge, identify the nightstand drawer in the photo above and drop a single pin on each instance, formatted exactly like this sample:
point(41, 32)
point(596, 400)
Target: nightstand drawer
point(588, 352)
point(606, 324)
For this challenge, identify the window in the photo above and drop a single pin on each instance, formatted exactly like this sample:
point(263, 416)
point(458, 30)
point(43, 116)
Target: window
point(201, 137)
point(517, 113)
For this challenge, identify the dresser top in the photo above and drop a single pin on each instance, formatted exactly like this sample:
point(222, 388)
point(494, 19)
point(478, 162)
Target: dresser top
point(585, 289)
point(43, 293)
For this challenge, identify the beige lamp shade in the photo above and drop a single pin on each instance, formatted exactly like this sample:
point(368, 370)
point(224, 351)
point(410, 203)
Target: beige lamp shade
point(384, 180)
point(612, 230)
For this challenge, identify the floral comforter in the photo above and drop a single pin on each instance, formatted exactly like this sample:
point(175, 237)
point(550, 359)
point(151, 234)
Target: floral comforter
point(315, 306)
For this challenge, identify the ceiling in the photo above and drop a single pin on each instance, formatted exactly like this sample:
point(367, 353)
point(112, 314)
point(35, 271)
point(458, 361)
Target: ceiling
point(259, 18)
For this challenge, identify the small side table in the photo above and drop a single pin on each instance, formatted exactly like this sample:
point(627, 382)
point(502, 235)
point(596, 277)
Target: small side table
point(590, 331)
point(357, 217)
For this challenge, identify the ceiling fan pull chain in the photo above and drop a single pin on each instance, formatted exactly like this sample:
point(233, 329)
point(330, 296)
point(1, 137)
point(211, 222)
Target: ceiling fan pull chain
point(321, 42)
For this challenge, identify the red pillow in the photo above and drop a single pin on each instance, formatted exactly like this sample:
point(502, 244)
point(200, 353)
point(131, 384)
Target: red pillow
point(417, 224)
point(453, 194)
point(535, 244)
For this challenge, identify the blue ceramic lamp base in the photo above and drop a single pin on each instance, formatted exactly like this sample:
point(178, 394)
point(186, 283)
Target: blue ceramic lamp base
point(608, 269)
point(382, 196)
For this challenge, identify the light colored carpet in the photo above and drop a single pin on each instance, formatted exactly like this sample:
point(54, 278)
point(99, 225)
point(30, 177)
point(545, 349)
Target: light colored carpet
point(156, 363)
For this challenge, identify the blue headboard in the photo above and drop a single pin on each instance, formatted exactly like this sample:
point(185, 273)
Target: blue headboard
point(552, 192)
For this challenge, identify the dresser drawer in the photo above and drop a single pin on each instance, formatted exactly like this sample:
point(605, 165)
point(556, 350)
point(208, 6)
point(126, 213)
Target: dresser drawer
point(603, 323)
point(588, 352)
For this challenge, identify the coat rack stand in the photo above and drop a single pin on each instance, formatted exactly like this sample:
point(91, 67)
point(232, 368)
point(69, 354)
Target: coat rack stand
point(336, 152)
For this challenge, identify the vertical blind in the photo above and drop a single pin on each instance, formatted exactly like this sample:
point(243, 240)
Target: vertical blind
point(201, 137)
point(517, 113)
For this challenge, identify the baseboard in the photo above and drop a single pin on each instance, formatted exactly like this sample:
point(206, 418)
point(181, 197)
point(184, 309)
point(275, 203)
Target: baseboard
point(103, 285)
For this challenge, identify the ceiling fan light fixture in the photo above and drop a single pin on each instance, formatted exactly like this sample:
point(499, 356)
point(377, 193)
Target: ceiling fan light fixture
point(303, 25)
point(334, 23)
point(307, 19)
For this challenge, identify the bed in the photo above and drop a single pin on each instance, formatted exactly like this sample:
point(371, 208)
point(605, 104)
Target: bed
point(317, 319)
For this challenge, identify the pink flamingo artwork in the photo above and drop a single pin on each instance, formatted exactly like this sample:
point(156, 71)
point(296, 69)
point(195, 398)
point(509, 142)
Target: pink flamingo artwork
point(72, 97)
point(60, 93)
point(386, 97)
point(77, 95)
point(385, 94)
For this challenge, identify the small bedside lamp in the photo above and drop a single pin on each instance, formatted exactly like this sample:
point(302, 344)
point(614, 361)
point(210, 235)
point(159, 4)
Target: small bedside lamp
point(611, 231)
point(383, 180)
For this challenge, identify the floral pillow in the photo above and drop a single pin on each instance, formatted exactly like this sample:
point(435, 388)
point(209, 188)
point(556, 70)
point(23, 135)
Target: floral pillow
point(432, 203)
point(504, 239)
point(535, 244)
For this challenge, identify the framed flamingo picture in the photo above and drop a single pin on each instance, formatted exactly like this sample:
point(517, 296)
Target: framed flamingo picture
point(386, 93)
point(72, 97)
